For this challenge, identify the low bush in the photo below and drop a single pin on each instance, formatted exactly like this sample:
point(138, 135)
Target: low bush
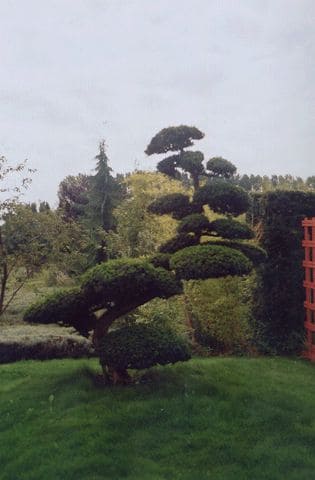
point(42, 343)
point(141, 346)
point(221, 311)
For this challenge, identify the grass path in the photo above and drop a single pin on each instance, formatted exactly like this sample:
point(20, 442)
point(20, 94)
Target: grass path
point(218, 419)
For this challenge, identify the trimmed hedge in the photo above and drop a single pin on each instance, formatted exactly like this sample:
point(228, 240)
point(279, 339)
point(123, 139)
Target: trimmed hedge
point(205, 261)
point(141, 346)
point(279, 311)
point(45, 349)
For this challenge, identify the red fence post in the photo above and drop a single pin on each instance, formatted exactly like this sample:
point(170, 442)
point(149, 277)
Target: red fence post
point(309, 284)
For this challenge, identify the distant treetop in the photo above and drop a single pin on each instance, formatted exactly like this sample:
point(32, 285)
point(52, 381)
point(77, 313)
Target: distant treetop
point(173, 139)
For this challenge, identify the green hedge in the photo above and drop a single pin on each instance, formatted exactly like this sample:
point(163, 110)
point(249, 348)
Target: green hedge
point(279, 311)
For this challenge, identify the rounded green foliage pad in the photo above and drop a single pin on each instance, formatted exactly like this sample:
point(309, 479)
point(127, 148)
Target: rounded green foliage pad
point(142, 346)
point(209, 261)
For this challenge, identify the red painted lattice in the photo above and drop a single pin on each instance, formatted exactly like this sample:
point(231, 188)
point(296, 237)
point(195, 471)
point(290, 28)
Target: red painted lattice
point(309, 284)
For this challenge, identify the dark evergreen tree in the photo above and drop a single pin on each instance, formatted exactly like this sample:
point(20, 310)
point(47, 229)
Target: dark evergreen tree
point(103, 188)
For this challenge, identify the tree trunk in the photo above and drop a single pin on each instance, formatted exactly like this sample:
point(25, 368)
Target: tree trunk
point(195, 179)
point(103, 324)
point(4, 273)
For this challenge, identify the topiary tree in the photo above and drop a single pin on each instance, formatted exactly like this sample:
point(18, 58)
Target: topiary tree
point(107, 292)
point(115, 288)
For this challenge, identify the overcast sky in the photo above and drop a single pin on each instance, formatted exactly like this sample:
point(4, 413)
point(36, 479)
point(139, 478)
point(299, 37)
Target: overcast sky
point(76, 71)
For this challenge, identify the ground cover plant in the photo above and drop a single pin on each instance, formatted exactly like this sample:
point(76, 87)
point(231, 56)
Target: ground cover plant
point(218, 419)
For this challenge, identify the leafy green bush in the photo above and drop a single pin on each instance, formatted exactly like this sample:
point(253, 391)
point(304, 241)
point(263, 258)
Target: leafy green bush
point(141, 346)
point(204, 261)
point(196, 223)
point(67, 307)
point(222, 312)
point(45, 348)
point(228, 228)
point(222, 197)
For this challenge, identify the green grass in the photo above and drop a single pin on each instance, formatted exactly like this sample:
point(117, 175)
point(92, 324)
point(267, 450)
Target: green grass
point(218, 419)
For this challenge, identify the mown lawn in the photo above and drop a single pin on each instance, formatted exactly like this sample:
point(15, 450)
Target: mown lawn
point(218, 419)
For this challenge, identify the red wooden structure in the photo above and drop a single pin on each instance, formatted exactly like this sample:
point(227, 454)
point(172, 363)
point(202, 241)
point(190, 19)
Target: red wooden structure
point(309, 284)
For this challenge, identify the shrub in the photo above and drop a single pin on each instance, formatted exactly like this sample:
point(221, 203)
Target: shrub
point(204, 261)
point(228, 228)
point(45, 349)
point(221, 312)
point(141, 346)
